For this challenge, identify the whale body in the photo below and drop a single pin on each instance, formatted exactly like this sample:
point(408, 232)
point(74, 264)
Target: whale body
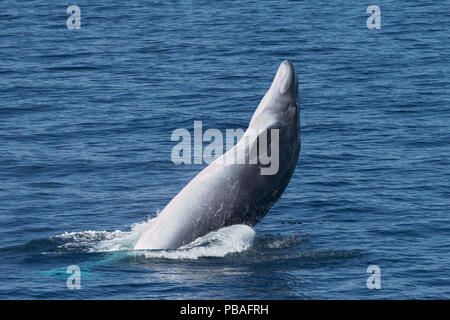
point(224, 194)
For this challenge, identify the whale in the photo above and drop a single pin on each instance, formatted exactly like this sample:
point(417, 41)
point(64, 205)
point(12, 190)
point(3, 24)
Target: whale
point(226, 193)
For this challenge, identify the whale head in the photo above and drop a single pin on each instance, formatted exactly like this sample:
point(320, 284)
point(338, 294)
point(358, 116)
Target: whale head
point(279, 104)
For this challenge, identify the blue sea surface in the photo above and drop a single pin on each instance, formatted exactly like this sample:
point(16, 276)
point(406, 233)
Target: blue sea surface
point(86, 118)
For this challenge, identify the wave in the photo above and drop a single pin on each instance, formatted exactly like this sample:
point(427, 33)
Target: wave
point(232, 239)
point(237, 244)
point(282, 242)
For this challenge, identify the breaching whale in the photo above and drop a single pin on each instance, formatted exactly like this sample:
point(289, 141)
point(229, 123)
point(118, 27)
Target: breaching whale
point(224, 194)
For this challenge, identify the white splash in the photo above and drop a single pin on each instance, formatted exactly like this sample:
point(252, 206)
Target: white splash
point(103, 241)
point(232, 239)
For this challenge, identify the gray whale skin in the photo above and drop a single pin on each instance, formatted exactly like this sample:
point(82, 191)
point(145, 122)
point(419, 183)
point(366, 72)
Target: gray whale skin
point(225, 194)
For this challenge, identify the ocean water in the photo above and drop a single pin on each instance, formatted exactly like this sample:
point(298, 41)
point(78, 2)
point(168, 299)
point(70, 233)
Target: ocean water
point(86, 118)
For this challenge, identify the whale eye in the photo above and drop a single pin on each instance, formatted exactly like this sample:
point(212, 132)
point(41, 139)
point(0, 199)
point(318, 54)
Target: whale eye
point(292, 111)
